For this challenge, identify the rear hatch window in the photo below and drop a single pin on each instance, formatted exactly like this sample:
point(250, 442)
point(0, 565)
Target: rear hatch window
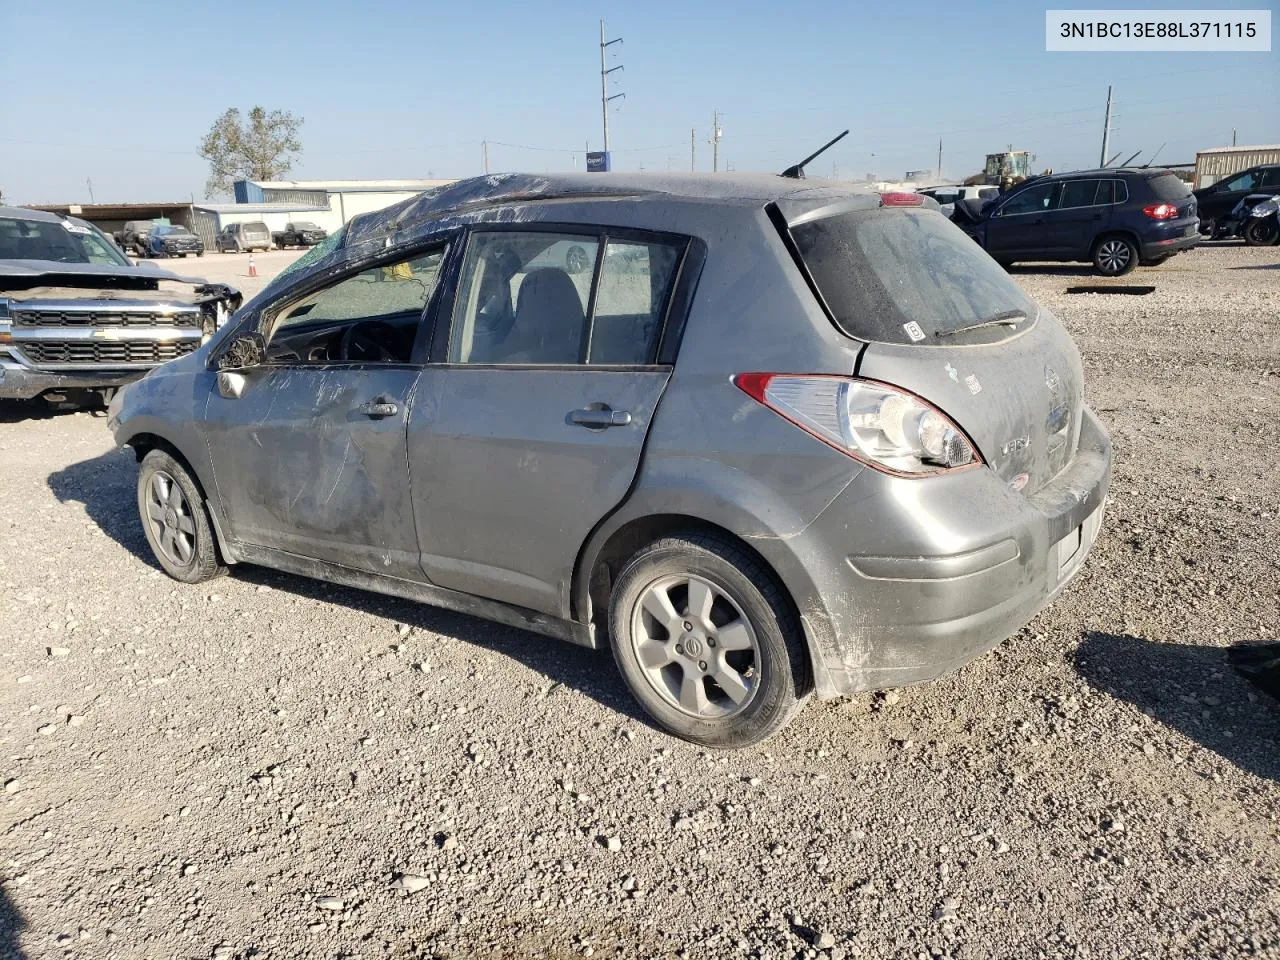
point(1169, 188)
point(906, 276)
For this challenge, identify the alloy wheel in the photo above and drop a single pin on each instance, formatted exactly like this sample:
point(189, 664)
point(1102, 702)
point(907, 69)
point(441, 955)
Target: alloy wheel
point(169, 514)
point(1114, 256)
point(695, 646)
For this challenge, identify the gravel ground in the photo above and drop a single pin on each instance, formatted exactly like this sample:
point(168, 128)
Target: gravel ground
point(267, 766)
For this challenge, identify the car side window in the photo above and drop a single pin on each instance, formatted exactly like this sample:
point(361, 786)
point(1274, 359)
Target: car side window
point(1079, 193)
point(1035, 199)
point(527, 298)
point(523, 298)
point(368, 317)
point(1270, 178)
point(631, 301)
point(1246, 181)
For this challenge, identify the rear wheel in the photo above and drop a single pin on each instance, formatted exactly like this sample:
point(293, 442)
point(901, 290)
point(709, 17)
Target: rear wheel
point(706, 641)
point(175, 520)
point(1115, 256)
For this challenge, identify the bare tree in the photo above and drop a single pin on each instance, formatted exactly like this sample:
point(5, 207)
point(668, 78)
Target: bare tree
point(262, 148)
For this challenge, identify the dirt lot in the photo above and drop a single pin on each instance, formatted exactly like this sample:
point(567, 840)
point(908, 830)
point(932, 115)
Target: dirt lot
point(241, 769)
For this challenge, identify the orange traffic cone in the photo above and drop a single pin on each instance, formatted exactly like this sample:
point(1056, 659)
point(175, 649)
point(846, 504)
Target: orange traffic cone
point(253, 269)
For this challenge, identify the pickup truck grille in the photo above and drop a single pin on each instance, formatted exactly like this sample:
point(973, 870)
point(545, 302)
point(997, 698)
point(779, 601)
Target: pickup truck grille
point(104, 318)
point(106, 351)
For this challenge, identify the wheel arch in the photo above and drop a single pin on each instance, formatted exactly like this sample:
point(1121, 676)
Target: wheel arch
point(1124, 232)
point(143, 442)
point(619, 538)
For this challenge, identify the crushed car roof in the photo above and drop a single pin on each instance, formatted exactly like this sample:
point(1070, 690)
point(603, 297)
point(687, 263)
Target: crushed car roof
point(755, 189)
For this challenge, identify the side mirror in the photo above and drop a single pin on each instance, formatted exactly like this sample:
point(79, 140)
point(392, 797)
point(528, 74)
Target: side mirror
point(245, 350)
point(231, 384)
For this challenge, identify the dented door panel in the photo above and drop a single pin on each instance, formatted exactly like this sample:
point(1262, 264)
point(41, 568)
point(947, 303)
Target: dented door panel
point(300, 466)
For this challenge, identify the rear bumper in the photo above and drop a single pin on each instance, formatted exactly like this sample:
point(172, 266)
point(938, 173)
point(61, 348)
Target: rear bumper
point(918, 577)
point(1170, 238)
point(21, 382)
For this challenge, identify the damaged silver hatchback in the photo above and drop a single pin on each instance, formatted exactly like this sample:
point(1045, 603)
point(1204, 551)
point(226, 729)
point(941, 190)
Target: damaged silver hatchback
point(759, 436)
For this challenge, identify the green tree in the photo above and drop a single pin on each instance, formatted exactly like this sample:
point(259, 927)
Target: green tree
point(263, 147)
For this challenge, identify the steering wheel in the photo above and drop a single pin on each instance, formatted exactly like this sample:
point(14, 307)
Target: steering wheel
point(366, 341)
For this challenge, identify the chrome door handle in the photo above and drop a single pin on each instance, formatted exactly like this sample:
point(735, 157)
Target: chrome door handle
point(598, 419)
point(378, 409)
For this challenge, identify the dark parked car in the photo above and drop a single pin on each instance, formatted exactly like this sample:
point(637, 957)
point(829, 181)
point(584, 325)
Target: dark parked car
point(1114, 218)
point(133, 236)
point(243, 237)
point(775, 437)
point(1215, 202)
point(173, 241)
point(78, 320)
point(300, 233)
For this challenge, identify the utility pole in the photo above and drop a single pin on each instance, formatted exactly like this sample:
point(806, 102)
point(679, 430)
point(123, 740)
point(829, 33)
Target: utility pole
point(1106, 130)
point(1233, 136)
point(939, 160)
point(484, 149)
point(715, 141)
point(604, 84)
point(693, 151)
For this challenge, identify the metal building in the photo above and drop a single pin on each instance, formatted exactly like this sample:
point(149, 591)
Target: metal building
point(1218, 162)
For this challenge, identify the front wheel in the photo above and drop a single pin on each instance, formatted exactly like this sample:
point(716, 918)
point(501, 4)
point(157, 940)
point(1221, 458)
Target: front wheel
point(1262, 232)
point(707, 642)
point(1115, 256)
point(175, 520)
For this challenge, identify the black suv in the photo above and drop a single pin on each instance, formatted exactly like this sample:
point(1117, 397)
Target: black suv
point(1114, 218)
point(1219, 199)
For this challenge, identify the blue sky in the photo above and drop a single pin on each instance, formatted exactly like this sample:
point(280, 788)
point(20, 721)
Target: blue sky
point(122, 93)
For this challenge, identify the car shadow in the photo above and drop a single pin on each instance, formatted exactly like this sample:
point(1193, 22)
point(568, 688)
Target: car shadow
point(16, 411)
point(106, 485)
point(1257, 266)
point(1193, 689)
point(11, 923)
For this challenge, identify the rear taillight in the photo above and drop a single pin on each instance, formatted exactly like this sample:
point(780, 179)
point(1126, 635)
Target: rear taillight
point(901, 200)
point(882, 426)
point(1161, 211)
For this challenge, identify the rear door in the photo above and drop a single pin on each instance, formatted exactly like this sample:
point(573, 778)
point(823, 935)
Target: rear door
point(529, 427)
point(1017, 229)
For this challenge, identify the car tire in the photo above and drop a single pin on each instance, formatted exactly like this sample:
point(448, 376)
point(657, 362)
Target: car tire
point(1262, 232)
point(1114, 255)
point(175, 520)
point(704, 691)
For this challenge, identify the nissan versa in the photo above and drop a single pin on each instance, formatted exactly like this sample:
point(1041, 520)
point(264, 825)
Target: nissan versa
point(774, 437)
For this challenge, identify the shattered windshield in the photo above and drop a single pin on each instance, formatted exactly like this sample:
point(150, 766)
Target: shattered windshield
point(318, 252)
point(59, 241)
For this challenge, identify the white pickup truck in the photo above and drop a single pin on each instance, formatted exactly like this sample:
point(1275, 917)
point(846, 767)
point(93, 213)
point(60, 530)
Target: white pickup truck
point(78, 320)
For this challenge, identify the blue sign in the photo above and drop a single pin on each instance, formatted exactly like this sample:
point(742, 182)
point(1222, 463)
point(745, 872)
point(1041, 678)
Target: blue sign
point(598, 161)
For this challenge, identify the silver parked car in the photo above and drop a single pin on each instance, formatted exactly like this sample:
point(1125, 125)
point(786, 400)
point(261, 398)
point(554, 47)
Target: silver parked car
point(243, 237)
point(775, 437)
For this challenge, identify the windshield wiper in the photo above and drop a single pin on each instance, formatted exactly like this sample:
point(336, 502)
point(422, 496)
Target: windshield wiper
point(1006, 318)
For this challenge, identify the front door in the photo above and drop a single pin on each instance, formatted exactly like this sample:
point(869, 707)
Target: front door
point(309, 447)
point(1016, 231)
point(531, 429)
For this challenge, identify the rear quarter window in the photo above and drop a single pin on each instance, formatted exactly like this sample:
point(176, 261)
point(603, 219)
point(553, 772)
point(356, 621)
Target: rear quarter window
point(1169, 188)
point(889, 275)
